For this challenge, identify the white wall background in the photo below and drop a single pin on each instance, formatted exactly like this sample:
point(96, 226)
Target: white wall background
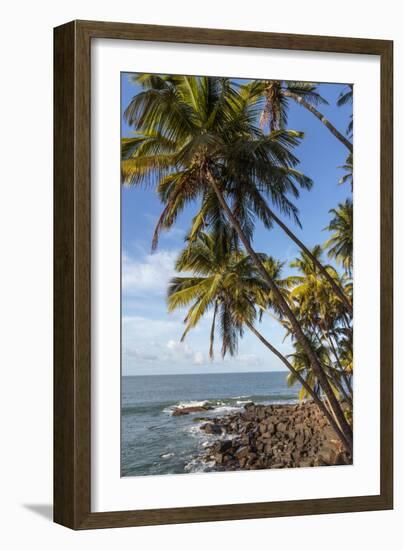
point(26, 272)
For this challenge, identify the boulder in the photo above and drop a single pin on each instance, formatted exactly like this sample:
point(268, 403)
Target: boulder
point(242, 452)
point(180, 411)
point(219, 458)
point(262, 427)
point(210, 428)
point(327, 454)
point(268, 450)
point(223, 446)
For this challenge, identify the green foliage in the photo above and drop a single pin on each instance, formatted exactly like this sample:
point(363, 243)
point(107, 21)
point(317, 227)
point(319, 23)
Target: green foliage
point(346, 97)
point(186, 126)
point(348, 168)
point(340, 244)
point(224, 279)
point(187, 130)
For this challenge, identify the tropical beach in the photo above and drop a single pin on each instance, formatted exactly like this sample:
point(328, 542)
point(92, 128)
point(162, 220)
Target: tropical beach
point(237, 274)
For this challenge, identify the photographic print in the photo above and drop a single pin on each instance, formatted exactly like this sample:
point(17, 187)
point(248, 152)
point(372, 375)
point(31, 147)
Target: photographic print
point(237, 274)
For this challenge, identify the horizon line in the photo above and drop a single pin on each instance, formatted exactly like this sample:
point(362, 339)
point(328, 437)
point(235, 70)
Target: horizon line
point(204, 373)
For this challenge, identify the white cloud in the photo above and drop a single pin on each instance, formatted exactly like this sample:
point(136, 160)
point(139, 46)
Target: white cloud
point(174, 232)
point(153, 326)
point(179, 348)
point(149, 276)
point(157, 341)
point(249, 360)
point(134, 353)
point(183, 352)
point(198, 358)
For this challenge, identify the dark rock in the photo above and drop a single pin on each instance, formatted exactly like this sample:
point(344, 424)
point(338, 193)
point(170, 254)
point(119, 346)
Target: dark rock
point(211, 428)
point(223, 445)
point(180, 411)
point(242, 452)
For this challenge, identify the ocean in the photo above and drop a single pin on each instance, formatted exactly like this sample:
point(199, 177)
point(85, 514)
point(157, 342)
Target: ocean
point(153, 442)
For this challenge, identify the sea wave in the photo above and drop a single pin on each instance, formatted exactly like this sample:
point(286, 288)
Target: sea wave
point(206, 438)
point(219, 405)
point(197, 465)
point(231, 403)
point(152, 408)
point(186, 404)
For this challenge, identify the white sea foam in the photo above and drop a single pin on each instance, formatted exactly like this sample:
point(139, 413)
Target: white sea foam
point(226, 409)
point(193, 430)
point(167, 455)
point(197, 465)
point(186, 404)
point(242, 397)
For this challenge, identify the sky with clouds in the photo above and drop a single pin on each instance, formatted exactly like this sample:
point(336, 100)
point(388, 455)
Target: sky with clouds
point(151, 335)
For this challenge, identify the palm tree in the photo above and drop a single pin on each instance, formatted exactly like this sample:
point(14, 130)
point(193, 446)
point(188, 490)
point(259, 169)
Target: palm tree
point(277, 94)
point(346, 97)
point(225, 281)
point(348, 168)
point(340, 244)
point(321, 314)
point(274, 114)
point(248, 168)
point(196, 137)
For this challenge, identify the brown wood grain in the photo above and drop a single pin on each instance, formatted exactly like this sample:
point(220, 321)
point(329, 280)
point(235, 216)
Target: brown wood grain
point(72, 274)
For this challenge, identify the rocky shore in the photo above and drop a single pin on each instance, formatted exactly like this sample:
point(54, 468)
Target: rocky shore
point(273, 436)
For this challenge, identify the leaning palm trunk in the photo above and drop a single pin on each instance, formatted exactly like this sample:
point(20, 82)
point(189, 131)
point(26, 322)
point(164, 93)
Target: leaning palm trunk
point(211, 350)
point(338, 384)
point(333, 422)
point(317, 263)
point(317, 369)
point(321, 117)
point(336, 356)
point(329, 407)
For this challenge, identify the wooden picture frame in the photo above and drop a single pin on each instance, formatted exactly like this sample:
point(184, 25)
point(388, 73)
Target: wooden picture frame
point(72, 270)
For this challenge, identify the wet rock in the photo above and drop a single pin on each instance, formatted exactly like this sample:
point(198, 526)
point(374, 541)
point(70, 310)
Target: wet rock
point(210, 428)
point(223, 445)
point(180, 411)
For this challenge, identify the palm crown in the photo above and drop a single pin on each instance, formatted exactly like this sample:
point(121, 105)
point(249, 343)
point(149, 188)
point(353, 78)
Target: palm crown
point(187, 126)
point(225, 280)
point(340, 244)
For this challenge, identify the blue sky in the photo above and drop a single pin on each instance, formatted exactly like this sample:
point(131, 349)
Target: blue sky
point(151, 336)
